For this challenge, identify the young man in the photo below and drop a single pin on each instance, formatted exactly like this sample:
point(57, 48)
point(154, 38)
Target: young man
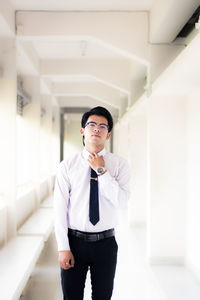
point(89, 188)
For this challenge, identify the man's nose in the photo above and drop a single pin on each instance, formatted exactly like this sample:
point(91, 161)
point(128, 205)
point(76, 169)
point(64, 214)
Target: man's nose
point(97, 128)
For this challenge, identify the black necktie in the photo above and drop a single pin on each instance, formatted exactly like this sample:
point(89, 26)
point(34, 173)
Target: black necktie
point(94, 198)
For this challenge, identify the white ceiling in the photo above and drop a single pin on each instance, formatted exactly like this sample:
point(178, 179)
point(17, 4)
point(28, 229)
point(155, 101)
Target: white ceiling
point(165, 19)
point(72, 49)
point(80, 5)
point(71, 78)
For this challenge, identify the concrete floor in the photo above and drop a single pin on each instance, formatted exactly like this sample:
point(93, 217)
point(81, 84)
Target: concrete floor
point(134, 278)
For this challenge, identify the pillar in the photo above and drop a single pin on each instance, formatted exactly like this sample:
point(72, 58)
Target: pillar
point(8, 92)
point(166, 197)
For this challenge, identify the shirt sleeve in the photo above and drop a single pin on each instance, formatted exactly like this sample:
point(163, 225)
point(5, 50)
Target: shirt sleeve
point(61, 200)
point(117, 189)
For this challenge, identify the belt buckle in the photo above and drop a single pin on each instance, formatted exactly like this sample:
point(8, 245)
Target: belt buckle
point(92, 238)
point(98, 236)
point(88, 238)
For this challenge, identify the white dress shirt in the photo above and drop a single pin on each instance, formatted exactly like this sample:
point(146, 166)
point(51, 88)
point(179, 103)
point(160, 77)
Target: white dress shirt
point(72, 193)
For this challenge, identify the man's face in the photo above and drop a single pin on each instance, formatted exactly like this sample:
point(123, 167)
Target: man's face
point(96, 130)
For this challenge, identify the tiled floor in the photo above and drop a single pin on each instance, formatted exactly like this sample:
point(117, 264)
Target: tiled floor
point(134, 279)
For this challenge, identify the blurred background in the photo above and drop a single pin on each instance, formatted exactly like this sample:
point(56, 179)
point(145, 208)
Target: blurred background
point(140, 60)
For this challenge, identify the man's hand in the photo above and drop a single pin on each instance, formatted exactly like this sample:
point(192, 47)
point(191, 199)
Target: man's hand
point(65, 258)
point(96, 161)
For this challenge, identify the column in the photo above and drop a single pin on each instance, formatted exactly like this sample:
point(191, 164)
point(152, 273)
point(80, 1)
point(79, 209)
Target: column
point(8, 92)
point(31, 117)
point(138, 161)
point(166, 197)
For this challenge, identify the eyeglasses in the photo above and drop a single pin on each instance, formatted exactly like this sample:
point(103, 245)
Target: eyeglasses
point(93, 125)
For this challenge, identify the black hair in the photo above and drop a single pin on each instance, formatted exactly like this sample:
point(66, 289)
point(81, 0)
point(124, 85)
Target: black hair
point(97, 111)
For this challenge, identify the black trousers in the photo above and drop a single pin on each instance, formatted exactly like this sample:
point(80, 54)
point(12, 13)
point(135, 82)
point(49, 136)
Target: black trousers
point(101, 258)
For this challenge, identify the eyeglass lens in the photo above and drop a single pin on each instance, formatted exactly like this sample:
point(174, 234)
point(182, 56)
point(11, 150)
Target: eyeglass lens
point(92, 125)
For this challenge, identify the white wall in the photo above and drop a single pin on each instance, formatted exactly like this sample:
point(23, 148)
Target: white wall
point(3, 222)
point(55, 139)
point(23, 150)
point(8, 150)
point(116, 144)
point(28, 139)
point(167, 179)
point(193, 182)
point(138, 163)
point(46, 137)
point(72, 138)
point(121, 138)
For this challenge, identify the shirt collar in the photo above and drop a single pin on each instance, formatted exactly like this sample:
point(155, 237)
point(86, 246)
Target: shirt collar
point(86, 153)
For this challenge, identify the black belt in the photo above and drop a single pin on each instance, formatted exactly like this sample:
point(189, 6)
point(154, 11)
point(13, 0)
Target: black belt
point(92, 236)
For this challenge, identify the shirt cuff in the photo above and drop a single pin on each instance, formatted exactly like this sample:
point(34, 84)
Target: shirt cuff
point(63, 245)
point(105, 177)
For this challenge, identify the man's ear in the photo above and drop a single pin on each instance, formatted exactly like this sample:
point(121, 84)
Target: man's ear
point(82, 130)
point(108, 135)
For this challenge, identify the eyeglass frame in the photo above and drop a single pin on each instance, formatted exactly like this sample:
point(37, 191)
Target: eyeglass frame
point(96, 124)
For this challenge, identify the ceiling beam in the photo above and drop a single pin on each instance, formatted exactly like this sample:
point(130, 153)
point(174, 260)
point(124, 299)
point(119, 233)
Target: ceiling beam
point(117, 30)
point(102, 91)
point(77, 101)
point(116, 72)
point(167, 18)
point(93, 96)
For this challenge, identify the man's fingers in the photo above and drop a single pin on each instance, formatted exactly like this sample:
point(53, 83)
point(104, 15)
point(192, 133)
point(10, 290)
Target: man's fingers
point(66, 259)
point(72, 261)
point(90, 157)
point(66, 266)
point(63, 266)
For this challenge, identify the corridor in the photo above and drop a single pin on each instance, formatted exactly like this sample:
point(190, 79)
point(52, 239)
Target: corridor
point(135, 279)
